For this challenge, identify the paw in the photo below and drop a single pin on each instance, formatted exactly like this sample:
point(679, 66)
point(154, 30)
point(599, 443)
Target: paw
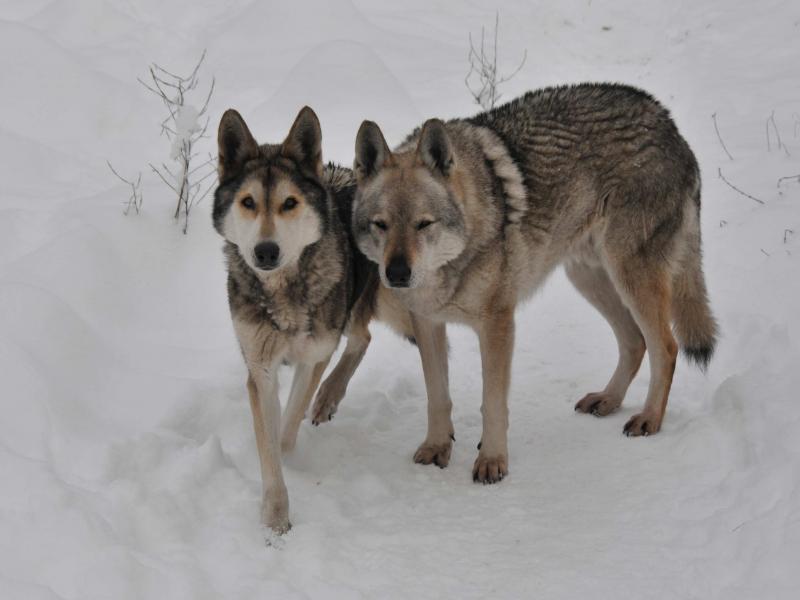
point(434, 453)
point(275, 515)
point(278, 525)
point(599, 404)
point(642, 424)
point(326, 403)
point(489, 469)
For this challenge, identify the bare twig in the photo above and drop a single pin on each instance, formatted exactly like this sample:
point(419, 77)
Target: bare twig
point(164, 179)
point(197, 68)
point(202, 196)
point(165, 72)
point(204, 177)
point(202, 133)
point(781, 145)
point(208, 97)
point(144, 83)
point(211, 160)
point(166, 168)
point(114, 171)
point(766, 129)
point(517, 70)
point(721, 176)
point(782, 179)
point(135, 200)
point(483, 65)
point(719, 137)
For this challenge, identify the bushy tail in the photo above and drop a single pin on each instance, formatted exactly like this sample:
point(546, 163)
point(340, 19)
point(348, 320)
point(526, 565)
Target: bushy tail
point(695, 326)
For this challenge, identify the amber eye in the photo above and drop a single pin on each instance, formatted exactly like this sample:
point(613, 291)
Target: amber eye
point(249, 203)
point(423, 224)
point(289, 203)
point(380, 225)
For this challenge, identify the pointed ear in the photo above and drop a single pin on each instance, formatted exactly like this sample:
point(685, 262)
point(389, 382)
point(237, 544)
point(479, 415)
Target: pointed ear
point(372, 153)
point(236, 144)
point(303, 145)
point(434, 148)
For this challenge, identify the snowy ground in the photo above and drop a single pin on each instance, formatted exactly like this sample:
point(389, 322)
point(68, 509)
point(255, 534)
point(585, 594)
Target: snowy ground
point(127, 459)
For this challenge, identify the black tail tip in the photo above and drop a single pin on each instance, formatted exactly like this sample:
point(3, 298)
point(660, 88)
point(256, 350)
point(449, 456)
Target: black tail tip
point(699, 355)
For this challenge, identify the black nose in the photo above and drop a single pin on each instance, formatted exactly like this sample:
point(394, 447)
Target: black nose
point(398, 272)
point(267, 255)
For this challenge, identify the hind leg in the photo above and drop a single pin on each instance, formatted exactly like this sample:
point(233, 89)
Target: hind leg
point(646, 291)
point(594, 284)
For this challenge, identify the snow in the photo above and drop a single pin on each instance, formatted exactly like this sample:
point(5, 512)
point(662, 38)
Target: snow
point(128, 463)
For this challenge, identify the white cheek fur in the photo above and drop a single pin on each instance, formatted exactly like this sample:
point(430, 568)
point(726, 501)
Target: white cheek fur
point(293, 235)
point(244, 233)
point(370, 246)
point(447, 247)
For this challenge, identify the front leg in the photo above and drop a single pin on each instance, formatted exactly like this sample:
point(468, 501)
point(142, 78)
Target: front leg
point(496, 335)
point(431, 340)
point(306, 380)
point(262, 385)
point(333, 389)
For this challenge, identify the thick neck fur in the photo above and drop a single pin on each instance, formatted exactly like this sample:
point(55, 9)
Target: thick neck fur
point(289, 298)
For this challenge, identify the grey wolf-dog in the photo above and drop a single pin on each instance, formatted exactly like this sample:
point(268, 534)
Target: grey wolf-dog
point(295, 281)
point(467, 218)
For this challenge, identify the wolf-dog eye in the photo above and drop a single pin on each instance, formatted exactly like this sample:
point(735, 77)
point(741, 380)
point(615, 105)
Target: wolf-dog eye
point(424, 223)
point(249, 203)
point(289, 203)
point(380, 225)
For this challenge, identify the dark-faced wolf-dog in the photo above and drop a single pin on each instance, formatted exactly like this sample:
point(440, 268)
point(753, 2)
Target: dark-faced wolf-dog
point(466, 219)
point(295, 281)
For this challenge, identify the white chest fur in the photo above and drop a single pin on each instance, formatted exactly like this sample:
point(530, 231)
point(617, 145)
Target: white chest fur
point(265, 346)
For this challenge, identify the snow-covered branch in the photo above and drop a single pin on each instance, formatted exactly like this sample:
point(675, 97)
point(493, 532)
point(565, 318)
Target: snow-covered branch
point(183, 128)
